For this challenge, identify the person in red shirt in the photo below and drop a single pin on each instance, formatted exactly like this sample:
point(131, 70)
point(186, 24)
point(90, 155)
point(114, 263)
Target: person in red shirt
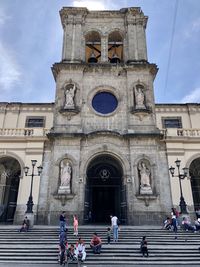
point(95, 244)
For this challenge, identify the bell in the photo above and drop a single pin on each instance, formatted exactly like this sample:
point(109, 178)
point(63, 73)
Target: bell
point(115, 59)
point(92, 58)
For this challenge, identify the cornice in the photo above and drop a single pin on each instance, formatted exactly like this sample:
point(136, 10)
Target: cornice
point(177, 108)
point(75, 15)
point(18, 107)
point(53, 135)
point(85, 67)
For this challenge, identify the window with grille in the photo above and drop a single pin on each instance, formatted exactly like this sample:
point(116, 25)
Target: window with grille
point(173, 122)
point(33, 122)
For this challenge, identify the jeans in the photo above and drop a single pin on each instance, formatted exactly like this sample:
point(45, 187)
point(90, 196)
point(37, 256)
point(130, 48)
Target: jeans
point(96, 249)
point(62, 226)
point(115, 233)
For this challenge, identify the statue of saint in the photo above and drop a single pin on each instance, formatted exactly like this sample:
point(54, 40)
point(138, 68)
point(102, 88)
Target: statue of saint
point(139, 99)
point(66, 171)
point(69, 97)
point(145, 183)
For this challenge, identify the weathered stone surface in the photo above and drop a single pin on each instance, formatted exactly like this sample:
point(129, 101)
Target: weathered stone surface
point(122, 134)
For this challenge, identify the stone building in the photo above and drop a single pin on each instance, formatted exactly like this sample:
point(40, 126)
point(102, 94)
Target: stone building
point(101, 144)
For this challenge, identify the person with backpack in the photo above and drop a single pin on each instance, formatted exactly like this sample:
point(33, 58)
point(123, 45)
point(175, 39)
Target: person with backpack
point(143, 247)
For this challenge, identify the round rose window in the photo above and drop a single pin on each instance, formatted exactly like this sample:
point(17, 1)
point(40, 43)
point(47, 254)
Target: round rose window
point(104, 102)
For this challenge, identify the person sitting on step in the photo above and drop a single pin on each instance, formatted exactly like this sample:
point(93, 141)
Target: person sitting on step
point(187, 226)
point(25, 225)
point(167, 224)
point(71, 256)
point(95, 244)
point(80, 250)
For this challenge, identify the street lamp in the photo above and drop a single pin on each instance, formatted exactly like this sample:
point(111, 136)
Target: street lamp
point(181, 176)
point(30, 199)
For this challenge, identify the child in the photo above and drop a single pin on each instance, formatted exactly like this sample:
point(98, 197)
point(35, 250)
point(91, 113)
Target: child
point(71, 256)
point(108, 235)
point(75, 225)
point(143, 247)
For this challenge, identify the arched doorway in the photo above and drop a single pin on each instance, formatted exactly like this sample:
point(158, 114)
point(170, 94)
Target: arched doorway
point(195, 181)
point(10, 171)
point(105, 193)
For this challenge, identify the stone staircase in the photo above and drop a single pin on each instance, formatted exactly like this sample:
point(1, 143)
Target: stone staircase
point(39, 245)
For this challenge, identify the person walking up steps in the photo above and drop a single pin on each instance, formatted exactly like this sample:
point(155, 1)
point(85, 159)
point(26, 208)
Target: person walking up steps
point(143, 247)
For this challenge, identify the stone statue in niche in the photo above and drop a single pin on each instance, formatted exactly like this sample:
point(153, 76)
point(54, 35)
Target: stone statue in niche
point(69, 96)
point(65, 177)
point(139, 98)
point(145, 177)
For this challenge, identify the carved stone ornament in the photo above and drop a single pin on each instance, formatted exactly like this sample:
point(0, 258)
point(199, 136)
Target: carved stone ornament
point(147, 198)
point(63, 198)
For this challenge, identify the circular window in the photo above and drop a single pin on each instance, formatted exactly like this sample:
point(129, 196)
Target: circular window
point(104, 102)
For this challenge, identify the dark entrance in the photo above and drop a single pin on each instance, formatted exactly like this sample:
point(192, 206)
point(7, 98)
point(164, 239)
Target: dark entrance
point(104, 192)
point(9, 174)
point(195, 181)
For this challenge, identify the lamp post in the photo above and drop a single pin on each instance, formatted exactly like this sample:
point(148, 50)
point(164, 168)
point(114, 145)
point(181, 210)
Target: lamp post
point(181, 177)
point(30, 199)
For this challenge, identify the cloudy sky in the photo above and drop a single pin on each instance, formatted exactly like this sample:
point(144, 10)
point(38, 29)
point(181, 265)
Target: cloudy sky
point(31, 41)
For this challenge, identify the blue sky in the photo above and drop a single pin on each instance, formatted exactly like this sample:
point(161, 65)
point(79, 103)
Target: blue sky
point(31, 41)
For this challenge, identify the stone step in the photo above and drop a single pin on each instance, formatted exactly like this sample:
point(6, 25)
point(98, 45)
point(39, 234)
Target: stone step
point(40, 244)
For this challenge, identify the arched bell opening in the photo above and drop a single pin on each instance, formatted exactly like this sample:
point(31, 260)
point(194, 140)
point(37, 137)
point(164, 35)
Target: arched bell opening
point(194, 171)
point(105, 193)
point(93, 47)
point(115, 47)
point(10, 172)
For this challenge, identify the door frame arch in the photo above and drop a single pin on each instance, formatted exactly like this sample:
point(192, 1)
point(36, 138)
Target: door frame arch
point(122, 189)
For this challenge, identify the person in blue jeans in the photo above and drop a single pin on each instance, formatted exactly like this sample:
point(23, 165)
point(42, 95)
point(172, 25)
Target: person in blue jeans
point(95, 244)
point(115, 227)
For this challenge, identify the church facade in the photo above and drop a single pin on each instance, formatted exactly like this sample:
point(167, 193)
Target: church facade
point(104, 145)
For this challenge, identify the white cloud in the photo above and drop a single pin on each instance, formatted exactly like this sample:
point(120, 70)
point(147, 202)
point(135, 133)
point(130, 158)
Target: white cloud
point(9, 69)
point(90, 4)
point(192, 28)
point(3, 17)
point(193, 97)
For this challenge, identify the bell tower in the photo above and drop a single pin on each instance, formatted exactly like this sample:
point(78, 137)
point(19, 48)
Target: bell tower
point(104, 133)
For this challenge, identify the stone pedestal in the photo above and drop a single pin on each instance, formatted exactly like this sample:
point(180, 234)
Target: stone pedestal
point(30, 217)
point(64, 190)
point(146, 190)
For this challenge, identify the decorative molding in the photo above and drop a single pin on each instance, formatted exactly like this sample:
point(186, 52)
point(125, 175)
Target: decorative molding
point(63, 197)
point(147, 198)
point(141, 113)
point(69, 112)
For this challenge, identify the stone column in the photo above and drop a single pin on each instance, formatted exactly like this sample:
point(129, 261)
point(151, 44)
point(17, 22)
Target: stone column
point(104, 49)
point(67, 39)
point(141, 41)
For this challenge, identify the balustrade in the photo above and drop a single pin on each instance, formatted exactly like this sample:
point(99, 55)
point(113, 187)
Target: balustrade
point(174, 132)
point(23, 131)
